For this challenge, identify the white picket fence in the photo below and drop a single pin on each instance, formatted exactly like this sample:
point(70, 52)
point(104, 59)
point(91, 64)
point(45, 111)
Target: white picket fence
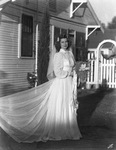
point(104, 68)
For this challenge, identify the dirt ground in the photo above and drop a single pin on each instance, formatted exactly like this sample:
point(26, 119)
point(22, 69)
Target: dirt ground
point(94, 138)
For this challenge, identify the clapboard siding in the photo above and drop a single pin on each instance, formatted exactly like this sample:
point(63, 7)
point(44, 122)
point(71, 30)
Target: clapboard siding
point(14, 69)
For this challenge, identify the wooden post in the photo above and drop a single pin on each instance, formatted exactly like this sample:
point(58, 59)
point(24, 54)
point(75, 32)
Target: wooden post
point(36, 51)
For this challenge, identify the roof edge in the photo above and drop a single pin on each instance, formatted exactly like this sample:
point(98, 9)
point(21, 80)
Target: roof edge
point(94, 15)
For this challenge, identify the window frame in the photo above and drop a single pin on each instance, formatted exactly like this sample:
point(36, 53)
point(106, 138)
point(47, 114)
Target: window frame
point(20, 37)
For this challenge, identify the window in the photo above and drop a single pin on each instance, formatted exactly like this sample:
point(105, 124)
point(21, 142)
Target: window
point(27, 36)
point(56, 34)
point(58, 31)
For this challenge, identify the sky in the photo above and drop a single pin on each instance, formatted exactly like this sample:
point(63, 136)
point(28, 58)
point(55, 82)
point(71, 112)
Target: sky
point(104, 9)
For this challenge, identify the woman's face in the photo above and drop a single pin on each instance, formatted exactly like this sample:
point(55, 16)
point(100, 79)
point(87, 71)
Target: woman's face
point(64, 43)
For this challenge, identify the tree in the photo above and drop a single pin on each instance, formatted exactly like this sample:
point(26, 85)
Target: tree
point(112, 24)
point(103, 25)
point(43, 48)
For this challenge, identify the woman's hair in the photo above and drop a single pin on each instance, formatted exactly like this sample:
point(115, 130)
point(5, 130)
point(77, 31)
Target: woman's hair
point(63, 36)
point(57, 44)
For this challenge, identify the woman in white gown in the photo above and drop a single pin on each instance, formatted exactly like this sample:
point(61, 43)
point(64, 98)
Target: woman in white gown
point(46, 112)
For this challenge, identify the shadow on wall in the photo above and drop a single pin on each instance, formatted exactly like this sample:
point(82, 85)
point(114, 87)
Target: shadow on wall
point(5, 88)
point(3, 74)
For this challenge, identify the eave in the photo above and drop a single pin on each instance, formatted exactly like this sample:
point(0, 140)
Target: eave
point(85, 4)
point(4, 2)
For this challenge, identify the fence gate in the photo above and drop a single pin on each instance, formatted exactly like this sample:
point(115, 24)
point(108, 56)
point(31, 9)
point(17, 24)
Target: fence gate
point(104, 68)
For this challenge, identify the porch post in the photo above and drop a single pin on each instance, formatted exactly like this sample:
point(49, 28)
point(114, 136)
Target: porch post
point(97, 68)
point(36, 54)
point(36, 49)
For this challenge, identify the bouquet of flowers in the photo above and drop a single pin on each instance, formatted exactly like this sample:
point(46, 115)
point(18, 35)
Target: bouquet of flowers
point(82, 69)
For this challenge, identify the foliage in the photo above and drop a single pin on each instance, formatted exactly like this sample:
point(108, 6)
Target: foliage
point(43, 48)
point(103, 25)
point(112, 24)
point(82, 68)
point(31, 77)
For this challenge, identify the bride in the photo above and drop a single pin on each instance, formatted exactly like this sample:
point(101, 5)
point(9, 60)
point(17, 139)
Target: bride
point(46, 112)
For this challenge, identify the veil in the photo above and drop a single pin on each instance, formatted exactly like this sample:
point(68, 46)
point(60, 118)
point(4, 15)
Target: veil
point(50, 72)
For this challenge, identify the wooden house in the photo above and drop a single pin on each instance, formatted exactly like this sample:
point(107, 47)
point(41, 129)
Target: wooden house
point(20, 22)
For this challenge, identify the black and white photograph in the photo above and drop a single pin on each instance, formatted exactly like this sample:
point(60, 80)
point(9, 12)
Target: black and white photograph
point(57, 75)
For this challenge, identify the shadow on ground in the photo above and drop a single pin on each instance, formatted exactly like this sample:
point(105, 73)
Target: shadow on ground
point(95, 107)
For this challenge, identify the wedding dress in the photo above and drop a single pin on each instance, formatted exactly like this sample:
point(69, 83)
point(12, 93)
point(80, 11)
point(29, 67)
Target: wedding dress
point(46, 112)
